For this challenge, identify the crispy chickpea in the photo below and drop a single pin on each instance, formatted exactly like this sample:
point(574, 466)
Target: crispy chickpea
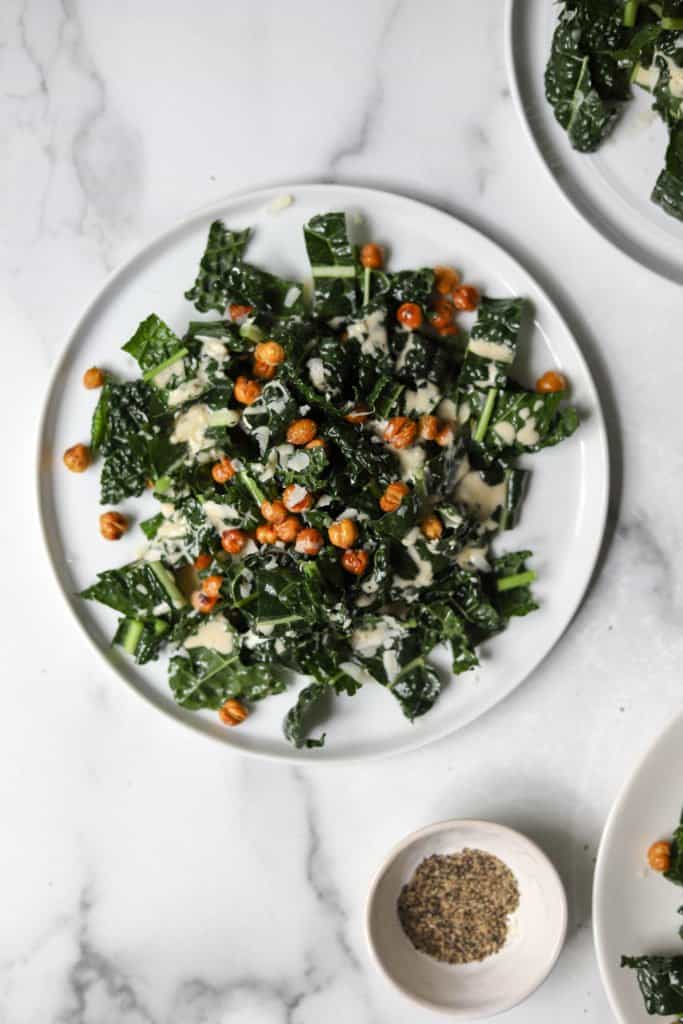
point(233, 712)
point(432, 527)
point(466, 298)
point(264, 371)
point(273, 512)
point(222, 471)
point(393, 496)
point(355, 562)
point(202, 602)
point(446, 279)
point(202, 561)
point(359, 414)
point(113, 525)
point(343, 534)
point(400, 432)
point(266, 533)
point(292, 500)
point(551, 382)
point(309, 541)
point(233, 541)
point(659, 856)
point(445, 435)
point(288, 530)
point(443, 313)
point(237, 312)
point(371, 256)
point(409, 315)
point(428, 427)
point(301, 431)
point(449, 331)
point(317, 442)
point(93, 378)
point(246, 391)
point(269, 352)
point(211, 585)
point(77, 458)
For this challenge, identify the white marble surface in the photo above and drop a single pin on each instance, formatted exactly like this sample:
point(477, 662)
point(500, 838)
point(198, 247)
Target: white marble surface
point(145, 875)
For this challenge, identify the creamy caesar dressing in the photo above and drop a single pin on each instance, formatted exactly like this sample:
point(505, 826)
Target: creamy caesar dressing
point(505, 431)
point(371, 333)
point(280, 203)
point(423, 400)
point(528, 435)
point(191, 426)
point(411, 460)
point(473, 558)
point(476, 493)
point(216, 635)
point(317, 373)
point(447, 411)
point(188, 390)
point(491, 350)
point(407, 348)
point(221, 517)
point(175, 371)
point(382, 635)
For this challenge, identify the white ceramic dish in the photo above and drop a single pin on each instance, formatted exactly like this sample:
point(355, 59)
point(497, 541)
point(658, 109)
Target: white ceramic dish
point(634, 908)
point(536, 932)
point(564, 513)
point(611, 188)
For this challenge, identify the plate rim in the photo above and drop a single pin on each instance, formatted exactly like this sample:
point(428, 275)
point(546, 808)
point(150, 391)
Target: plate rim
point(362, 195)
point(665, 270)
point(599, 941)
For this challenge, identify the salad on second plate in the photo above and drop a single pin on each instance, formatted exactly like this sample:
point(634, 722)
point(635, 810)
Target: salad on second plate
point(330, 474)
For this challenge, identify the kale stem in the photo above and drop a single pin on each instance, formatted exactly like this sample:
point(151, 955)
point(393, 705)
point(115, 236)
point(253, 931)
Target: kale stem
point(672, 24)
point(520, 579)
point(253, 488)
point(630, 13)
point(154, 370)
point(482, 425)
point(505, 513)
point(367, 275)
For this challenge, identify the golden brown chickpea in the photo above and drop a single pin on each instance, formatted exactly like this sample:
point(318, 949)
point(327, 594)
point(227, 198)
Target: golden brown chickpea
point(309, 541)
point(393, 496)
point(428, 427)
point(317, 442)
point(113, 525)
point(355, 562)
point(77, 458)
point(233, 541)
point(273, 512)
point(343, 534)
point(269, 352)
point(202, 561)
point(432, 527)
point(449, 331)
point(301, 431)
point(202, 602)
point(288, 530)
point(233, 712)
point(237, 312)
point(359, 414)
point(93, 378)
point(659, 856)
point(211, 586)
point(409, 315)
point(445, 279)
point(551, 382)
point(371, 256)
point(296, 504)
point(445, 435)
point(266, 534)
point(264, 371)
point(442, 314)
point(222, 471)
point(246, 391)
point(466, 298)
point(400, 432)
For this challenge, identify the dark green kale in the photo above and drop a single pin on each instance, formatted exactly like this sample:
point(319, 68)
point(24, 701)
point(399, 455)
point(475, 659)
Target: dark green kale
point(205, 678)
point(297, 720)
point(668, 191)
point(155, 347)
point(333, 265)
point(224, 249)
point(660, 979)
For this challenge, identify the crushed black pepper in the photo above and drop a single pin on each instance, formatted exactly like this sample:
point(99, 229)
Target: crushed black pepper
point(456, 907)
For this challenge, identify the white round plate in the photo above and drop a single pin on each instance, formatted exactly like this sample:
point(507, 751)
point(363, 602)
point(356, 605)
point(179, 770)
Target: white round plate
point(563, 516)
point(610, 188)
point(634, 908)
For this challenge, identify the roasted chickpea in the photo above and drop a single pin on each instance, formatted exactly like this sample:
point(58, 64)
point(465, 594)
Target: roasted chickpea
point(309, 541)
point(466, 298)
point(202, 602)
point(233, 712)
point(266, 533)
point(211, 585)
point(301, 431)
point(393, 496)
point(659, 856)
point(445, 279)
point(428, 427)
point(202, 561)
point(371, 256)
point(551, 382)
point(246, 391)
point(449, 331)
point(343, 534)
point(409, 315)
point(359, 414)
point(269, 352)
point(400, 432)
point(264, 371)
point(287, 531)
point(237, 312)
point(222, 471)
point(77, 458)
point(273, 512)
point(233, 541)
point(355, 562)
point(93, 378)
point(113, 525)
point(443, 313)
point(293, 501)
point(432, 527)
point(445, 435)
point(317, 442)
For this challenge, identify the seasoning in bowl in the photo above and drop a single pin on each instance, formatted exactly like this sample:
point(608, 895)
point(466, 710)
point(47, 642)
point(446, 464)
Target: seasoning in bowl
point(456, 907)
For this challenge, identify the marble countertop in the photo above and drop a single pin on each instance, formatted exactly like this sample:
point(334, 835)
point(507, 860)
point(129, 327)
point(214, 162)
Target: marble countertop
point(146, 876)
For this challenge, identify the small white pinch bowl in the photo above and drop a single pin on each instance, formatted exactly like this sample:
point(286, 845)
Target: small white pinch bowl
point(536, 932)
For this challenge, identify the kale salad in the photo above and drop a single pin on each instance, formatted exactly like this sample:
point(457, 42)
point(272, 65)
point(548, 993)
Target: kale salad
point(332, 465)
point(600, 49)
